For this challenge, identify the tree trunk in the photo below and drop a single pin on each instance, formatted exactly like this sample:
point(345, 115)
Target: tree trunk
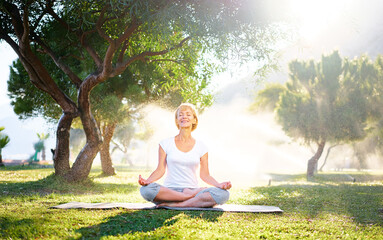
point(106, 160)
point(313, 162)
point(61, 153)
point(1, 160)
point(328, 153)
point(43, 156)
point(83, 163)
point(41, 78)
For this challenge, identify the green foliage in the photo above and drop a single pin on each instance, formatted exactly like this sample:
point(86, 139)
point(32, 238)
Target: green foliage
point(268, 97)
point(4, 139)
point(29, 101)
point(43, 136)
point(324, 101)
point(38, 146)
point(124, 135)
point(373, 74)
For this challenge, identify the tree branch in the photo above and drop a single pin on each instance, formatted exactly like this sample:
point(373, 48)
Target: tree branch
point(128, 32)
point(151, 54)
point(169, 60)
point(124, 150)
point(122, 52)
point(96, 58)
point(120, 67)
point(25, 37)
point(65, 68)
point(57, 18)
point(100, 22)
point(113, 44)
point(84, 34)
point(10, 42)
point(38, 21)
point(13, 12)
point(124, 39)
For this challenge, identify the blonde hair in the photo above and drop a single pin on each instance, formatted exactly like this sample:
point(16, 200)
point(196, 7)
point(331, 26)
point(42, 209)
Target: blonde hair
point(194, 111)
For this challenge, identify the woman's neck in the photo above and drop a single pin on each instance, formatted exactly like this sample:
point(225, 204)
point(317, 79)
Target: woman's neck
point(184, 135)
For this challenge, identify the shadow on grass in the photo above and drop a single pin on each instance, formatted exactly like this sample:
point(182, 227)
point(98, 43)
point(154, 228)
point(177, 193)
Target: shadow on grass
point(95, 169)
point(326, 194)
point(53, 184)
point(25, 167)
point(143, 221)
point(16, 228)
point(329, 177)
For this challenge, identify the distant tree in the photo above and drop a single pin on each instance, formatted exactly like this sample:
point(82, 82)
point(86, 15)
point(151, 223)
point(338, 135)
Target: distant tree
point(122, 139)
point(77, 141)
point(373, 143)
point(38, 146)
point(4, 140)
point(43, 137)
point(268, 97)
point(126, 133)
point(326, 101)
point(326, 157)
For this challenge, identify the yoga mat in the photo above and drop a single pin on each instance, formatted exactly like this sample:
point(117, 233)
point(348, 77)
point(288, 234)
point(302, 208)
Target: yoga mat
point(151, 206)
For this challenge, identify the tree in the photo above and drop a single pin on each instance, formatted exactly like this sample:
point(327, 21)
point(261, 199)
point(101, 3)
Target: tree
point(110, 104)
point(4, 140)
point(43, 137)
point(326, 101)
point(122, 139)
point(38, 146)
point(373, 143)
point(77, 141)
point(114, 35)
point(126, 133)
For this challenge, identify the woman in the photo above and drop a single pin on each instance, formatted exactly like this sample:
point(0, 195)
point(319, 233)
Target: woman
point(182, 155)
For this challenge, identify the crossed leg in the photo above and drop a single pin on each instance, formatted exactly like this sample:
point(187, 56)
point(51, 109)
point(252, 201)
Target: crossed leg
point(203, 200)
point(168, 195)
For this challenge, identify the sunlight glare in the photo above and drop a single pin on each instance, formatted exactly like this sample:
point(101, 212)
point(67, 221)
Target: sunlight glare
point(314, 16)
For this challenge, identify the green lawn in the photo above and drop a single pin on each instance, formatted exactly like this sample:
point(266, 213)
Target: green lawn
point(331, 206)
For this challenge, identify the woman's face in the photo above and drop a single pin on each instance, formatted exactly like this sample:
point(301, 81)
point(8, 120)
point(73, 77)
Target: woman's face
point(185, 118)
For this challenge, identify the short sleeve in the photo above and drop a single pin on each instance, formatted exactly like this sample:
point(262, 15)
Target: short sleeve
point(165, 145)
point(202, 148)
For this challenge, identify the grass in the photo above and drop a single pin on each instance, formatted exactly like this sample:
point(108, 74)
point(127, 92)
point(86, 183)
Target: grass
point(330, 206)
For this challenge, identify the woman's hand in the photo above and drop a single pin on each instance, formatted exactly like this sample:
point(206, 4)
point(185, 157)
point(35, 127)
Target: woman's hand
point(224, 185)
point(142, 181)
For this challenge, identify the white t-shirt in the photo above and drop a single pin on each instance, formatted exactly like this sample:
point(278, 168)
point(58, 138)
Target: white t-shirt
point(182, 167)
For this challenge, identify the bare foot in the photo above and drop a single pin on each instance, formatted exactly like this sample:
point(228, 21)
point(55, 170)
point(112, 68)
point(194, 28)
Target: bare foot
point(192, 192)
point(169, 204)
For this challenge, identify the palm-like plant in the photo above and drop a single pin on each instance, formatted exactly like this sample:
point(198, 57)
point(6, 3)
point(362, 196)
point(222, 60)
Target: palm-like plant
point(42, 137)
point(4, 140)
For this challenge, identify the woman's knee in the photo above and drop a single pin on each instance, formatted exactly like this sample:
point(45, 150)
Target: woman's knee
point(150, 191)
point(219, 195)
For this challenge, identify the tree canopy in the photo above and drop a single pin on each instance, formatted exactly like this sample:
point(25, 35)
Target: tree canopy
point(93, 42)
point(4, 140)
point(325, 101)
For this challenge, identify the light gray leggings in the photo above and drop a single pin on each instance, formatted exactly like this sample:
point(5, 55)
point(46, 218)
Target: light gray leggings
point(150, 191)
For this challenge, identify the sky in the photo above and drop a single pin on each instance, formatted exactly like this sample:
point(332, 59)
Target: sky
point(352, 27)
point(23, 134)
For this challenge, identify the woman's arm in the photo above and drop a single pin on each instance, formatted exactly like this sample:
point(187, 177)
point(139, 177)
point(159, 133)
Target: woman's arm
point(207, 178)
point(159, 172)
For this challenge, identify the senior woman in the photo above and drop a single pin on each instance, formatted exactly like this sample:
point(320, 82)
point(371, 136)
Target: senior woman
point(181, 156)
